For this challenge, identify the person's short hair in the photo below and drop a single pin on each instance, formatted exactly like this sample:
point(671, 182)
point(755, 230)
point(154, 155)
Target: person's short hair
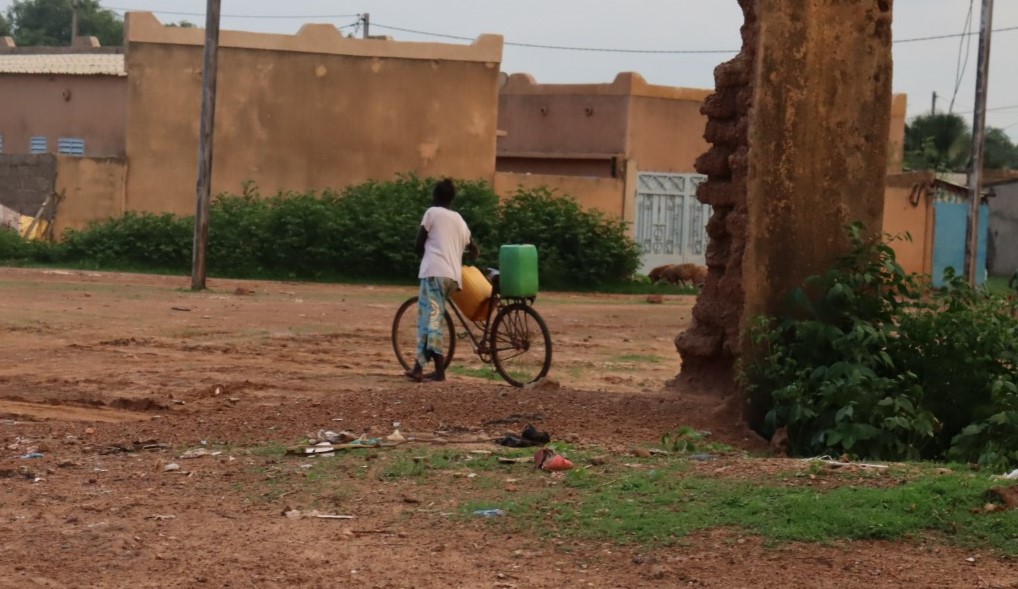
point(444, 192)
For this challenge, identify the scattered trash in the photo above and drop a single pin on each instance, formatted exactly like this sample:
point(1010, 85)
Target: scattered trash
point(549, 460)
point(171, 467)
point(702, 457)
point(529, 438)
point(489, 512)
point(291, 513)
point(160, 518)
point(1012, 475)
point(835, 463)
point(181, 308)
point(33, 455)
point(507, 460)
point(196, 453)
point(134, 447)
point(531, 433)
point(395, 436)
point(335, 437)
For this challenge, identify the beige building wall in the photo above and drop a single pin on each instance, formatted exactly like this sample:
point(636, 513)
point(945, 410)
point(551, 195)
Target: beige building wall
point(309, 111)
point(908, 208)
point(666, 127)
point(90, 188)
point(92, 108)
point(603, 194)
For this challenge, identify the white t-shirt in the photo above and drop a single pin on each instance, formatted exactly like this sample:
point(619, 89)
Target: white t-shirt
point(448, 236)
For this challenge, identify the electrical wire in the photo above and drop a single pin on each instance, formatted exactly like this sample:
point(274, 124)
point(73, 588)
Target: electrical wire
point(959, 71)
point(277, 16)
point(531, 45)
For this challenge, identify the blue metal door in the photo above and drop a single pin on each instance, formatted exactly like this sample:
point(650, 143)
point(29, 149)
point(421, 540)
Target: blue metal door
point(949, 239)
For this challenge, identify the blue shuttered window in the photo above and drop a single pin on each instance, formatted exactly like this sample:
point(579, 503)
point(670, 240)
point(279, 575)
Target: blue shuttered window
point(71, 146)
point(38, 145)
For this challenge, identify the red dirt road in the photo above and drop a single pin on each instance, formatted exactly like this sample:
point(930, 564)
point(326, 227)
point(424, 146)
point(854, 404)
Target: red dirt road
point(112, 377)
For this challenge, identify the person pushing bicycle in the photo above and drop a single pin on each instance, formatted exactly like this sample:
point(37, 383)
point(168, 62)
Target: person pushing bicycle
point(442, 239)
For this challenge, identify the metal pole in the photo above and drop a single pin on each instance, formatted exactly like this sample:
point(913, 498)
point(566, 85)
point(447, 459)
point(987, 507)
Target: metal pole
point(978, 136)
point(366, 21)
point(208, 116)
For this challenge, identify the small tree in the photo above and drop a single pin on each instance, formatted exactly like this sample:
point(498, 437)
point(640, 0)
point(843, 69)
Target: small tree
point(48, 22)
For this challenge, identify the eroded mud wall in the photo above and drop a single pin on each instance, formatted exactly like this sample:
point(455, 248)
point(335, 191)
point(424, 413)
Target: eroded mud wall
point(798, 126)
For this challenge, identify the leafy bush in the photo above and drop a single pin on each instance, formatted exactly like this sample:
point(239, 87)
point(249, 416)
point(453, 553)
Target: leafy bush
point(144, 240)
point(12, 247)
point(376, 223)
point(576, 247)
point(238, 235)
point(868, 362)
point(365, 231)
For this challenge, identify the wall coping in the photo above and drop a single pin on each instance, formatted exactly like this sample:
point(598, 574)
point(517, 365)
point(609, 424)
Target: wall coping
point(144, 27)
point(624, 84)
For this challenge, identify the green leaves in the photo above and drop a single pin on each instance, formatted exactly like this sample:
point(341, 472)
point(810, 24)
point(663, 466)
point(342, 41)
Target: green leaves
point(871, 362)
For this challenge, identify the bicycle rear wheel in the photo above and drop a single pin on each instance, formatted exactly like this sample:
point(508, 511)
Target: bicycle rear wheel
point(520, 344)
point(404, 334)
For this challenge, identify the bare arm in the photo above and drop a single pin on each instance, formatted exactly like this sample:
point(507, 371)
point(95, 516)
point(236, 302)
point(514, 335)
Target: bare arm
point(422, 237)
point(472, 251)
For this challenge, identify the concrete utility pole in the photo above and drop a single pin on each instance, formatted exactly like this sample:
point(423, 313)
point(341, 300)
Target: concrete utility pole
point(366, 22)
point(208, 117)
point(933, 107)
point(978, 137)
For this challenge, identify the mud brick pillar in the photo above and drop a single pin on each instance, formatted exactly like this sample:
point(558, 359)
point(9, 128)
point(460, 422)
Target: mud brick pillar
point(798, 125)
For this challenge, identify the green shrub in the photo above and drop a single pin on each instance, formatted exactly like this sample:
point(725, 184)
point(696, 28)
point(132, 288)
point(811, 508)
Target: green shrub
point(376, 224)
point(12, 247)
point(868, 363)
point(137, 240)
point(575, 247)
point(365, 231)
point(238, 235)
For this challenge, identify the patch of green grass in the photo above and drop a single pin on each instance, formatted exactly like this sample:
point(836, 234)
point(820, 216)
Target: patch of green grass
point(641, 358)
point(485, 372)
point(660, 500)
point(998, 285)
point(661, 505)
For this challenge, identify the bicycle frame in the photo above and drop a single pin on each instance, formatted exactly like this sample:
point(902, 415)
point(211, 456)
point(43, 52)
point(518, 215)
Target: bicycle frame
point(480, 343)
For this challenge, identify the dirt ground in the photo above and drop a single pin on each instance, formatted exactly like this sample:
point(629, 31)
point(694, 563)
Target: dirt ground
point(106, 379)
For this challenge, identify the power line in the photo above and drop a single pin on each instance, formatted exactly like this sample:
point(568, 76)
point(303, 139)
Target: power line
point(658, 51)
point(959, 71)
point(280, 16)
point(559, 47)
point(530, 45)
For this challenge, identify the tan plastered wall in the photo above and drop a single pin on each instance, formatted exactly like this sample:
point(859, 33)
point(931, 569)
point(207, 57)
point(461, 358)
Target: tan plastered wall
point(562, 119)
point(304, 112)
point(92, 108)
point(659, 125)
point(908, 208)
point(603, 194)
point(666, 133)
point(817, 141)
point(90, 188)
point(896, 146)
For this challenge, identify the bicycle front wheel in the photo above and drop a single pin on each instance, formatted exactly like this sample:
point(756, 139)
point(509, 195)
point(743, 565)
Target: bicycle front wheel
point(520, 344)
point(404, 334)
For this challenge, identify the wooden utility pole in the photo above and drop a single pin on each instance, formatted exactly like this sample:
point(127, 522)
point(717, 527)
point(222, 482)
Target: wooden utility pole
point(74, 21)
point(208, 118)
point(978, 140)
point(366, 21)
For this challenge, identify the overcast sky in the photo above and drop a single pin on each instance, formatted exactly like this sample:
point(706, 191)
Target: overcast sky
point(920, 68)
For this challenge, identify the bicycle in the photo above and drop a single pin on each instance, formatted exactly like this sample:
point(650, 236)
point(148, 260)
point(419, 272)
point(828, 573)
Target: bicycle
point(513, 337)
